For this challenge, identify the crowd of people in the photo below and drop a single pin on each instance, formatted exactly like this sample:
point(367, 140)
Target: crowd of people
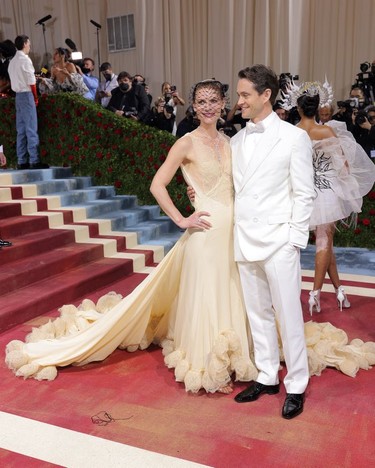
point(358, 112)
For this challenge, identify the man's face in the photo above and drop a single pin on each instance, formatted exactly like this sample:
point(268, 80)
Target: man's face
point(27, 47)
point(89, 65)
point(107, 74)
point(253, 105)
point(357, 93)
point(325, 114)
point(281, 113)
point(125, 84)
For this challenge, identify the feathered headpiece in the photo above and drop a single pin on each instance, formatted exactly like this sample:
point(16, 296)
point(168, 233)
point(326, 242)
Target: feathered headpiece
point(311, 88)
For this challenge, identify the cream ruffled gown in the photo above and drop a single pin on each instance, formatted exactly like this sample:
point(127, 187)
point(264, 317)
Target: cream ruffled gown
point(191, 305)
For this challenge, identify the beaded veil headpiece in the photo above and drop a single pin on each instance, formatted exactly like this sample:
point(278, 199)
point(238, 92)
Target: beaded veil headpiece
point(223, 89)
point(311, 88)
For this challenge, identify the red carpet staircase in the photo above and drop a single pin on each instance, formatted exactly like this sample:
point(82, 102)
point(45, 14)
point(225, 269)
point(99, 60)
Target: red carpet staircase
point(71, 239)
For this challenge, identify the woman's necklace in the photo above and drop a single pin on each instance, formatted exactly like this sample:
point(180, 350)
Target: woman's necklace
point(214, 142)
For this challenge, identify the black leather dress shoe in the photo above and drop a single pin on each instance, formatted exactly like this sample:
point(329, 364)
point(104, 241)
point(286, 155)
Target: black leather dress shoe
point(4, 243)
point(39, 165)
point(293, 405)
point(254, 391)
point(23, 166)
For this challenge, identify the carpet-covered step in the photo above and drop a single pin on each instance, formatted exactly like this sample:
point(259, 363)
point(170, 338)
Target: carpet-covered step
point(36, 299)
point(19, 225)
point(28, 269)
point(34, 243)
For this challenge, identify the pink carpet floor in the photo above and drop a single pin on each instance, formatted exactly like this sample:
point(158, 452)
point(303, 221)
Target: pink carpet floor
point(144, 407)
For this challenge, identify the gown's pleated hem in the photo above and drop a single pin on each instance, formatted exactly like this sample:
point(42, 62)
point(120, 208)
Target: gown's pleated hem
point(224, 362)
point(327, 346)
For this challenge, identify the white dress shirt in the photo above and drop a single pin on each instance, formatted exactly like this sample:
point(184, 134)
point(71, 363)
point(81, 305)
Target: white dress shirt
point(21, 72)
point(252, 138)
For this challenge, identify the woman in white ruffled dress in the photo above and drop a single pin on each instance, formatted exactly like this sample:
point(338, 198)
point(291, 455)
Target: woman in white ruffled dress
point(343, 174)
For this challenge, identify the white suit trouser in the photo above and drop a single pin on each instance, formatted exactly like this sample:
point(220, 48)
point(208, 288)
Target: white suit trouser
point(269, 286)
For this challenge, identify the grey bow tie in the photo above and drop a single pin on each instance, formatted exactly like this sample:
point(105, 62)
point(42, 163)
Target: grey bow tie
point(251, 127)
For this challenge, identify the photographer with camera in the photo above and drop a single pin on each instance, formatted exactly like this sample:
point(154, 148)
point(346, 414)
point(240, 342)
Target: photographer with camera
point(128, 100)
point(139, 79)
point(345, 111)
point(364, 130)
point(162, 115)
point(173, 99)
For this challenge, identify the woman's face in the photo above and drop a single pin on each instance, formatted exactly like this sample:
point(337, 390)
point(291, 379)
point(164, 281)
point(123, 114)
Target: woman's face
point(160, 105)
point(166, 88)
point(57, 57)
point(208, 105)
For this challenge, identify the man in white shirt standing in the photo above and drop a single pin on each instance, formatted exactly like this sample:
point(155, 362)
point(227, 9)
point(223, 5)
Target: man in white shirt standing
point(23, 82)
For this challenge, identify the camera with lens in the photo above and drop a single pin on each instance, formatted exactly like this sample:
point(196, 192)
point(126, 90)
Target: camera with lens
point(349, 104)
point(367, 71)
point(360, 118)
point(168, 109)
point(132, 112)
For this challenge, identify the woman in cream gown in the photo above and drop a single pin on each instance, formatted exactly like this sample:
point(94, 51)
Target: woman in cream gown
point(191, 304)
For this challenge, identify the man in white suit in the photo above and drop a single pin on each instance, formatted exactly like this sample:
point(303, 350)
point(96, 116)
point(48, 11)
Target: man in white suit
point(273, 180)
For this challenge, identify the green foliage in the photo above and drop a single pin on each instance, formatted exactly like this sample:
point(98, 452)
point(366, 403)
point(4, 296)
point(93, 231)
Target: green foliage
point(363, 235)
point(95, 142)
point(118, 151)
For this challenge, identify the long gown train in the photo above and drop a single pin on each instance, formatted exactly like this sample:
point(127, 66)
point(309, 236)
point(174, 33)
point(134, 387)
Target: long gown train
point(191, 305)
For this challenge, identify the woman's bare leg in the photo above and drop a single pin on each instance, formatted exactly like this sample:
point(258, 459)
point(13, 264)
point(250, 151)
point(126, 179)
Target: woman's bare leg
point(324, 253)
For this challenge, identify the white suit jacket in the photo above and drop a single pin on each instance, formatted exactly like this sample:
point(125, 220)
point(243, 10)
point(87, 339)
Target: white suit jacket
point(274, 194)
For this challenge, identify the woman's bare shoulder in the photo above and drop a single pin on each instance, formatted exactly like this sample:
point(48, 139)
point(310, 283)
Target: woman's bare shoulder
point(320, 132)
point(71, 67)
point(183, 146)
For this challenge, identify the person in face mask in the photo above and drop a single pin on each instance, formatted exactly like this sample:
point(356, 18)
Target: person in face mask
point(92, 82)
point(128, 100)
point(357, 93)
point(103, 93)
